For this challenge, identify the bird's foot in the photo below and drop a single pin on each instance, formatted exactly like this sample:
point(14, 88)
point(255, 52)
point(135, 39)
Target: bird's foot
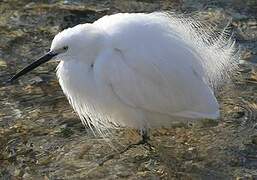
point(144, 141)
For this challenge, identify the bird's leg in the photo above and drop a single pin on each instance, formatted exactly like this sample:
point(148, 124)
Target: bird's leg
point(144, 141)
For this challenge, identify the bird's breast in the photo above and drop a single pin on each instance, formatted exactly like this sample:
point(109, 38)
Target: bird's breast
point(77, 80)
point(91, 96)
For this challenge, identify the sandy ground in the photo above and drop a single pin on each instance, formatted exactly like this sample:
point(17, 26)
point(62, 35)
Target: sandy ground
point(42, 138)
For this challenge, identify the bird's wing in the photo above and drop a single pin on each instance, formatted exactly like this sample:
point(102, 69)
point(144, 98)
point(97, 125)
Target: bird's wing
point(152, 69)
point(143, 80)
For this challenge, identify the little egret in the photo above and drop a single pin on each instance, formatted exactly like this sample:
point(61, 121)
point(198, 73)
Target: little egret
point(141, 70)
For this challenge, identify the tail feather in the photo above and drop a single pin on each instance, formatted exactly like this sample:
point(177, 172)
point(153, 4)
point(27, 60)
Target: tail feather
point(217, 49)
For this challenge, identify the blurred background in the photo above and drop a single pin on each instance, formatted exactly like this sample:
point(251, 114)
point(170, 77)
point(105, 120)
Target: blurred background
point(42, 138)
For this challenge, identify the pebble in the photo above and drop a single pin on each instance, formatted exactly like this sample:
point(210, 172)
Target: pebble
point(2, 63)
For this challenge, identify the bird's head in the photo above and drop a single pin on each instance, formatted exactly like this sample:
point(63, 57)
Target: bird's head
point(80, 43)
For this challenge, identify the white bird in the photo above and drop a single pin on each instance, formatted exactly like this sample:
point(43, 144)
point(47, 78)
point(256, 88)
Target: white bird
point(141, 70)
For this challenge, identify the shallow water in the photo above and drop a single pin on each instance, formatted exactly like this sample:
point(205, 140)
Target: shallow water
point(42, 138)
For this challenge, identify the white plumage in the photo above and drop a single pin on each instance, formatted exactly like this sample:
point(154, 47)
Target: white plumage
point(142, 70)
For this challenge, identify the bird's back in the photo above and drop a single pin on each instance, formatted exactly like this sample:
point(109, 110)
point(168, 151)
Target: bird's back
point(216, 53)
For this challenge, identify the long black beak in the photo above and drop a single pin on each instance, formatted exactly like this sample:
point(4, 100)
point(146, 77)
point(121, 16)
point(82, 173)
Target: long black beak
point(33, 65)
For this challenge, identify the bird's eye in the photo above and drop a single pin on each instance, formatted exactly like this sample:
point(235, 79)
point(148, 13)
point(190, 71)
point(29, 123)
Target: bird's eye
point(65, 48)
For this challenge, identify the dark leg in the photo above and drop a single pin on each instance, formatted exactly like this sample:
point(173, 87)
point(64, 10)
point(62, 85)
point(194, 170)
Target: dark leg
point(143, 141)
point(145, 136)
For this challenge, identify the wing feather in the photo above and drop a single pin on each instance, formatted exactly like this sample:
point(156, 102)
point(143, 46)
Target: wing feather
point(163, 86)
point(152, 68)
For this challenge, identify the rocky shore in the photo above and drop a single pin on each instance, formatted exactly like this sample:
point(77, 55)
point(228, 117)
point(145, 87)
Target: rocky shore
point(42, 138)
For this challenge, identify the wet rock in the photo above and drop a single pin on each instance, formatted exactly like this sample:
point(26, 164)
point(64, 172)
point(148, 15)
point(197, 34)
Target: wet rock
point(35, 80)
point(4, 174)
point(18, 172)
point(206, 123)
point(254, 139)
point(240, 17)
point(246, 177)
point(2, 63)
point(27, 176)
point(239, 114)
point(65, 131)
